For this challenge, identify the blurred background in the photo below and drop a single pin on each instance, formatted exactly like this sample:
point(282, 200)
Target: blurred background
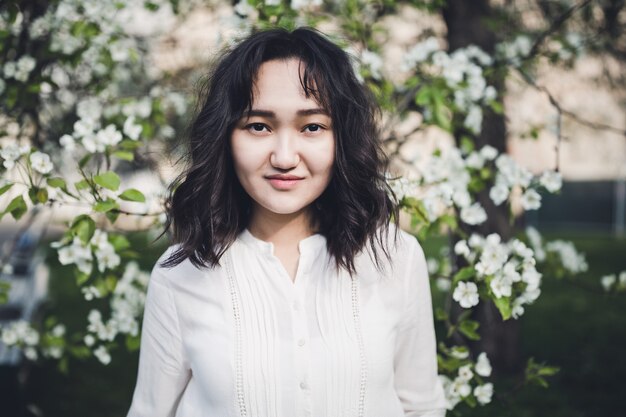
point(540, 81)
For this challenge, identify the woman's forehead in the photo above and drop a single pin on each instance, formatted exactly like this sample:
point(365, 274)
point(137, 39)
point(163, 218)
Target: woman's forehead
point(284, 81)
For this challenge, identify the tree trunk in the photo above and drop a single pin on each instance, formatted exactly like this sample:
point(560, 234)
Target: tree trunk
point(466, 23)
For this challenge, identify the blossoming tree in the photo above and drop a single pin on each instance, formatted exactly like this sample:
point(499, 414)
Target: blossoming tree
point(81, 107)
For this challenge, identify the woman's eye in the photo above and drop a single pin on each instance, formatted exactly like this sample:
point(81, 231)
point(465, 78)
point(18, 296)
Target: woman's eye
point(256, 127)
point(313, 128)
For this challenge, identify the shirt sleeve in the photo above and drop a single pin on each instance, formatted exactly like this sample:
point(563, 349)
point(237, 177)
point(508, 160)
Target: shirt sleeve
point(163, 372)
point(415, 364)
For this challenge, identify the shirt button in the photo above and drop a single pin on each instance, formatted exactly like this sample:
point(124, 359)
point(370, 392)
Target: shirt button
point(301, 342)
point(303, 385)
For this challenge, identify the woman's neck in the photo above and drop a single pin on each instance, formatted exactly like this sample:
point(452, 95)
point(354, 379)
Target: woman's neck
point(281, 229)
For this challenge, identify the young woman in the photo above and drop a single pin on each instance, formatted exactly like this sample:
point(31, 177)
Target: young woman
point(289, 290)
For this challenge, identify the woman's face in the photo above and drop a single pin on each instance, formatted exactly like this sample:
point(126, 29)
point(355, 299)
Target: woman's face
point(283, 149)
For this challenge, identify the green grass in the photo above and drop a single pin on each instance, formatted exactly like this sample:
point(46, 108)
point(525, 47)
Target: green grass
point(581, 331)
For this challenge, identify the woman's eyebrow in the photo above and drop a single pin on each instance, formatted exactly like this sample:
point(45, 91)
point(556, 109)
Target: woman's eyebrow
point(271, 115)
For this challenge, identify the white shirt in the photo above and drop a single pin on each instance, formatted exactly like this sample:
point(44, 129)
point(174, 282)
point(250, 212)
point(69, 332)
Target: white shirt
point(254, 343)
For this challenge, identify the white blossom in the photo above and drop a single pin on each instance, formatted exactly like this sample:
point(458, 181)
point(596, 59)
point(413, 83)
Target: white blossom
point(461, 248)
point(475, 160)
point(483, 393)
point(451, 397)
point(460, 387)
point(483, 366)
point(373, 61)
point(420, 52)
point(10, 153)
point(58, 330)
point(84, 127)
point(474, 119)
point(68, 142)
point(473, 214)
point(465, 373)
point(90, 292)
point(443, 284)
point(493, 257)
point(531, 200)
point(109, 136)
point(31, 353)
point(551, 180)
point(54, 352)
point(459, 352)
point(607, 281)
point(501, 285)
point(510, 173)
point(131, 129)
point(536, 242)
point(107, 258)
point(461, 198)
point(466, 294)
point(89, 109)
point(572, 261)
point(89, 340)
point(102, 354)
point(532, 278)
point(517, 309)
point(489, 152)
point(299, 4)
point(41, 162)
point(499, 193)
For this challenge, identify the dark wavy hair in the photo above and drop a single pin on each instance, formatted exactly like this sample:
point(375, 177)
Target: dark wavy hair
point(206, 205)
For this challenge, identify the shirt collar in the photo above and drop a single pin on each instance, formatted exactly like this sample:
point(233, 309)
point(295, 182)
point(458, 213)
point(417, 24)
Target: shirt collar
point(307, 246)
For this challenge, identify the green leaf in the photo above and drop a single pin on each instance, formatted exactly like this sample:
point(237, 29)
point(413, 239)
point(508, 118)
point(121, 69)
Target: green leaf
point(5, 287)
point(496, 106)
point(450, 221)
point(133, 343)
point(504, 305)
point(81, 277)
point(83, 161)
point(112, 215)
point(17, 207)
point(471, 401)
point(133, 194)
point(81, 185)
point(108, 180)
point(129, 145)
point(440, 314)
point(63, 365)
point(423, 96)
point(84, 227)
point(466, 144)
point(81, 352)
point(463, 275)
point(61, 184)
point(5, 188)
point(38, 195)
point(468, 328)
point(119, 242)
point(105, 205)
point(125, 155)
point(56, 182)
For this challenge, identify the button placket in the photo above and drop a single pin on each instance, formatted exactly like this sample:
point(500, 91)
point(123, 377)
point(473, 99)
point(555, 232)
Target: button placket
point(301, 345)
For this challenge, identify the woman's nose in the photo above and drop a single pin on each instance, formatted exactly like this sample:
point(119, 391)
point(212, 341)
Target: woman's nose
point(285, 154)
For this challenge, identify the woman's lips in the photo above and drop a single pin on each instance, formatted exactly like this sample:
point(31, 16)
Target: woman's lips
point(286, 184)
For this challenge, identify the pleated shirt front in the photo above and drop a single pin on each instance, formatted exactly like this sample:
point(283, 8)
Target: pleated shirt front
point(244, 340)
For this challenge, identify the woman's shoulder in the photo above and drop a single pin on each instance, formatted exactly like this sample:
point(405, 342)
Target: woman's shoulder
point(401, 246)
point(184, 272)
